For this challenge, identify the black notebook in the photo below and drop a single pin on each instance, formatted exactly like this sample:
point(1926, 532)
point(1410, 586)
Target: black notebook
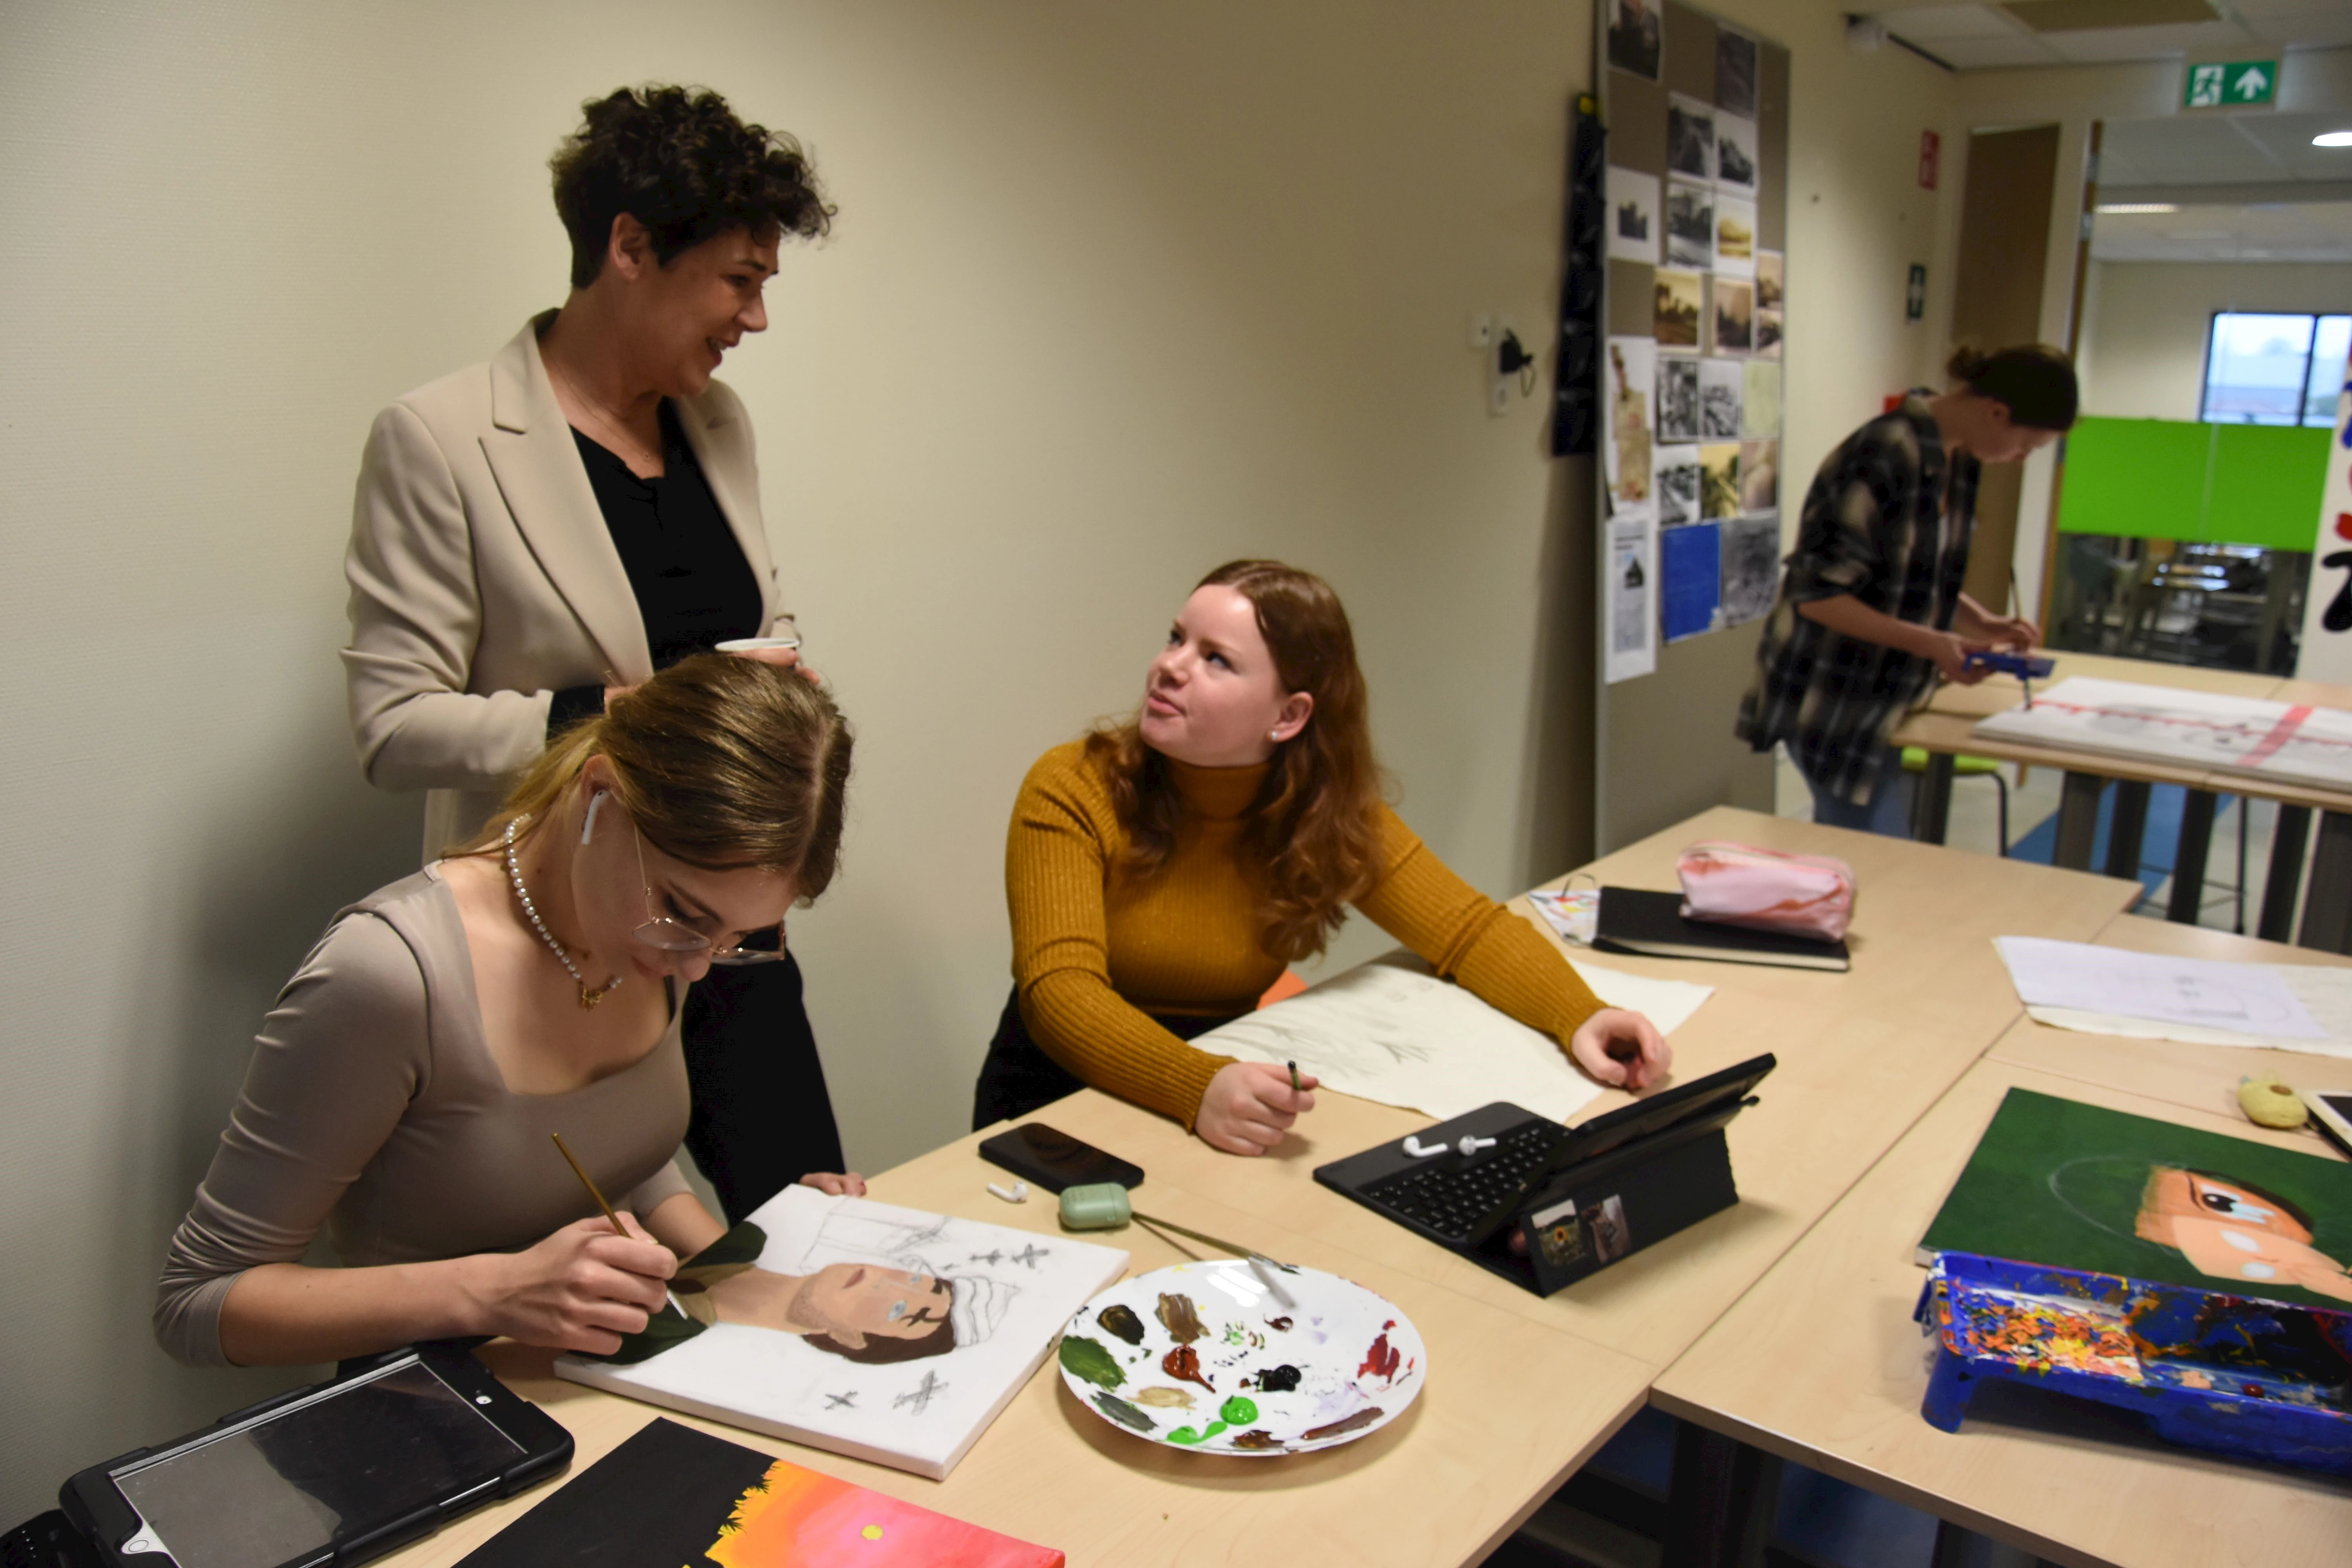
point(1632, 919)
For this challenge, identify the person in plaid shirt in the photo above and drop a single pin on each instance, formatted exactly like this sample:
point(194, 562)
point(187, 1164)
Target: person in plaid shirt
point(1870, 610)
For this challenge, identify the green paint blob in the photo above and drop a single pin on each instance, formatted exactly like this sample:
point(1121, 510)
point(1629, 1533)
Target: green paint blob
point(1184, 1434)
point(1214, 1427)
point(1086, 1358)
point(1239, 1411)
point(1126, 1415)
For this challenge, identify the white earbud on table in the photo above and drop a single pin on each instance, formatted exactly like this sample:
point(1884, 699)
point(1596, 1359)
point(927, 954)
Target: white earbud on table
point(1466, 1146)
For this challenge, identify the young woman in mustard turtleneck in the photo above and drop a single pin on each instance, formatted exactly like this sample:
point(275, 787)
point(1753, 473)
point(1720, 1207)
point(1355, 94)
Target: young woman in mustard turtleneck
point(1162, 873)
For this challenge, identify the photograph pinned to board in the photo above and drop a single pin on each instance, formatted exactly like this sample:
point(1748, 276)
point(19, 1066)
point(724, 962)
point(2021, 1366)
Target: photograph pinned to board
point(1690, 580)
point(1633, 220)
point(1679, 301)
point(1751, 568)
point(1735, 237)
point(1637, 37)
point(1674, 476)
point(1735, 154)
point(1734, 317)
point(1771, 279)
point(1760, 400)
point(1718, 480)
point(1767, 334)
point(1632, 381)
point(1720, 384)
point(1678, 405)
point(1690, 138)
point(1759, 477)
point(1690, 225)
point(1631, 600)
point(858, 1326)
point(1735, 71)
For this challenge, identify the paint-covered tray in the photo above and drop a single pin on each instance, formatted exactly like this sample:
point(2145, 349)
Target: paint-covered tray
point(1203, 1356)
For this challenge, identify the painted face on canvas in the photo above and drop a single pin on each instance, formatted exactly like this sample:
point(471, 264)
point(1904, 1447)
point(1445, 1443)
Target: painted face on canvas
point(2237, 1232)
point(858, 1301)
point(1212, 696)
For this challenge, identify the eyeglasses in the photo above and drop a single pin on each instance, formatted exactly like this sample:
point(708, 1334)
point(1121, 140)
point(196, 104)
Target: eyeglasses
point(665, 934)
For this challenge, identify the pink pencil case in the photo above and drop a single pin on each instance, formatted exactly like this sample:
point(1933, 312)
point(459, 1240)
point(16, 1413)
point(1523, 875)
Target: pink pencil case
point(1766, 889)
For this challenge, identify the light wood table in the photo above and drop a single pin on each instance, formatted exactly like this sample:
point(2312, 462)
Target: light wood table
point(1944, 726)
point(1515, 1408)
point(2195, 1077)
point(1529, 1387)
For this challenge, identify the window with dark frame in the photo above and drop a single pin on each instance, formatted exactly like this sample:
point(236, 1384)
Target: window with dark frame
point(2265, 367)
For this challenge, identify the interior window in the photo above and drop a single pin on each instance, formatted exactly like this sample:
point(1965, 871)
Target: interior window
point(2257, 369)
point(2329, 346)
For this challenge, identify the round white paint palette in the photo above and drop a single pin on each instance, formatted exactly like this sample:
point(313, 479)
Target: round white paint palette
point(1262, 1379)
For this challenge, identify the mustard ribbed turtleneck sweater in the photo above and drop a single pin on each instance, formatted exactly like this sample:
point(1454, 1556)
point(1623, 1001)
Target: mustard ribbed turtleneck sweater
point(1094, 950)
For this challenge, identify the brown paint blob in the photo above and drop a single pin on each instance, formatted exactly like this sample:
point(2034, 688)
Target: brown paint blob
point(1181, 1319)
point(1183, 1365)
point(1356, 1423)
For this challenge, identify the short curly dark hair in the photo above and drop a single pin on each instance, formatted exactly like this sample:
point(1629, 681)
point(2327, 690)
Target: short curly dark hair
point(679, 161)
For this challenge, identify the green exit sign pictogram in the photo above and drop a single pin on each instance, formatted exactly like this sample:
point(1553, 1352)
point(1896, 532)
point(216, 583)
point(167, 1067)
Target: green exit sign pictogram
point(2236, 85)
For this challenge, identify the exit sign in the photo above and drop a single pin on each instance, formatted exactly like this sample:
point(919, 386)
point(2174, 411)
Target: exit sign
point(2236, 85)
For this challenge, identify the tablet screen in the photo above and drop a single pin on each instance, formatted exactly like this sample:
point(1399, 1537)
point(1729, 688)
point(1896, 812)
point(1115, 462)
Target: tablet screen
point(284, 1486)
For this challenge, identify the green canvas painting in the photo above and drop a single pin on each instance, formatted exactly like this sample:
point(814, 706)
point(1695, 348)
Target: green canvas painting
point(2069, 1185)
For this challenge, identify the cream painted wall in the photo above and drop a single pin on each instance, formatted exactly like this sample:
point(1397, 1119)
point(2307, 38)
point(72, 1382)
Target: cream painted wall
point(1117, 292)
point(2144, 327)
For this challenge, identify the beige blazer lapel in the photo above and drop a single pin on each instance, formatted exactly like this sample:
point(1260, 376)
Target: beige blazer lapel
point(546, 488)
point(717, 429)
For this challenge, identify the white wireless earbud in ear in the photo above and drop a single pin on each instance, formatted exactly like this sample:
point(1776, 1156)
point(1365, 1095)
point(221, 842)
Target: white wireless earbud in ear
point(595, 803)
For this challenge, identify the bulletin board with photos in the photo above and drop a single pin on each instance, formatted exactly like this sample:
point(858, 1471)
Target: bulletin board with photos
point(1697, 205)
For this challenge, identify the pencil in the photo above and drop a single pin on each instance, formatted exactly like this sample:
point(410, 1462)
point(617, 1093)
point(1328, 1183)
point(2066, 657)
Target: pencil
point(561, 1148)
point(1294, 1078)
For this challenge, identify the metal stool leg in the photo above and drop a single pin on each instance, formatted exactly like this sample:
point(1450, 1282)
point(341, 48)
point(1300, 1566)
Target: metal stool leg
point(2288, 835)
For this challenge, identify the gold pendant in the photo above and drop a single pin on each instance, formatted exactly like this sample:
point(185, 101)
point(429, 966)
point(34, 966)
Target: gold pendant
point(588, 999)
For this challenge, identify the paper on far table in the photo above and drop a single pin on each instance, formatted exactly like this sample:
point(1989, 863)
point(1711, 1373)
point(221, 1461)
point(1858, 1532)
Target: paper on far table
point(2194, 992)
point(2325, 991)
point(1391, 1031)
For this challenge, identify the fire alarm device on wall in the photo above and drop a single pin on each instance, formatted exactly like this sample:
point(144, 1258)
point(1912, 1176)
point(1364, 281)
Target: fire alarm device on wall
point(1931, 153)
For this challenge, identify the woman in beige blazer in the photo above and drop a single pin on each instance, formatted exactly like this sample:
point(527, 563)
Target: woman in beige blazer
point(535, 533)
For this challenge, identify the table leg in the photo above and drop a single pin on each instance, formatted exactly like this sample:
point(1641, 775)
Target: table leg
point(2287, 873)
point(2327, 908)
point(1719, 1510)
point(2127, 828)
point(2078, 820)
point(1931, 804)
point(2189, 860)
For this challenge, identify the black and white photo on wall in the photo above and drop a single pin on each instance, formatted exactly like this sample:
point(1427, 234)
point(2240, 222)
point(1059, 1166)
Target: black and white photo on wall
point(1735, 154)
point(1735, 71)
point(1690, 138)
point(1633, 221)
point(1637, 37)
point(1678, 401)
point(1675, 475)
point(1914, 294)
point(1690, 225)
point(1721, 383)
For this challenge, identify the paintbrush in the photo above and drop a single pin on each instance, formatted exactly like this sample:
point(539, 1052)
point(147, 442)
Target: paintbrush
point(1260, 1265)
point(610, 1217)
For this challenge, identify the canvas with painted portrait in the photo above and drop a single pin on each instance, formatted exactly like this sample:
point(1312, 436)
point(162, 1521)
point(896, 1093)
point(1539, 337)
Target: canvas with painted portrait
point(2071, 1185)
point(881, 1332)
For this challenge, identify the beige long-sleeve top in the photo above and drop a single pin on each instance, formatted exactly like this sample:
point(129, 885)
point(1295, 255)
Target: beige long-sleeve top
point(372, 1107)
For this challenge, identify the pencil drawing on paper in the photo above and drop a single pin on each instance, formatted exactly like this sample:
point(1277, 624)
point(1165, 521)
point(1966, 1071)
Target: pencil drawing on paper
point(873, 1331)
point(2278, 740)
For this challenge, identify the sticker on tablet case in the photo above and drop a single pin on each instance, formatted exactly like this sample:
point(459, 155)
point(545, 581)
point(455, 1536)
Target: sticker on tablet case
point(1558, 1237)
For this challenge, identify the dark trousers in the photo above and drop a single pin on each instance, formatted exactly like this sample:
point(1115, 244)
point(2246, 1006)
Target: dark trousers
point(1019, 1077)
point(761, 1118)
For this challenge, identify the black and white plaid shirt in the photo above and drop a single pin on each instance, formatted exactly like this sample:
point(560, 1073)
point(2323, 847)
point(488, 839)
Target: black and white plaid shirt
point(1877, 524)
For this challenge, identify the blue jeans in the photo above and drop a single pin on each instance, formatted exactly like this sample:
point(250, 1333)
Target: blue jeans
point(1887, 812)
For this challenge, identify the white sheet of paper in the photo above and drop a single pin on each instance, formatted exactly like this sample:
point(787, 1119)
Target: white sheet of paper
point(2326, 992)
point(2245, 998)
point(2201, 728)
point(1391, 1031)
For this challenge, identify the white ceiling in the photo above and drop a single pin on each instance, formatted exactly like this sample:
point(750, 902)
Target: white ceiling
point(2218, 149)
point(1983, 37)
point(2299, 231)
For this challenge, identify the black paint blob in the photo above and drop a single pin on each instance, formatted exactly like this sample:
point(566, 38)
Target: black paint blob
point(1278, 1379)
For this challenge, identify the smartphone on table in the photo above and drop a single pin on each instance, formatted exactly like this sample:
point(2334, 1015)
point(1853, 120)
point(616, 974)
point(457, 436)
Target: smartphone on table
point(1055, 1160)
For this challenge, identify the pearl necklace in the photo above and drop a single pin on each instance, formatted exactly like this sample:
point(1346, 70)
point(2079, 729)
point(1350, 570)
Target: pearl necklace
point(588, 998)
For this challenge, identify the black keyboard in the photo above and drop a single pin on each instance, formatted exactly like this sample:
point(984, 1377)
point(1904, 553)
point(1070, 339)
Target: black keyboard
point(1449, 1196)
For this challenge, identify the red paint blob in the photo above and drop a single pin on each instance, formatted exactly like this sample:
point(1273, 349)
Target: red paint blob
point(2343, 524)
point(1380, 1361)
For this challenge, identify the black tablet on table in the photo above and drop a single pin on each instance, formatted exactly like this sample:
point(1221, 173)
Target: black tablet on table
point(333, 1473)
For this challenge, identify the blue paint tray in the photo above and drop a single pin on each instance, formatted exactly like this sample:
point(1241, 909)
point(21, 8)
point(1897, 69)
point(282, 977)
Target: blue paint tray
point(2255, 1380)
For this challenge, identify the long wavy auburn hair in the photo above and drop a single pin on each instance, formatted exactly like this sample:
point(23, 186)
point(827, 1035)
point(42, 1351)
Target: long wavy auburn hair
point(1311, 840)
point(721, 763)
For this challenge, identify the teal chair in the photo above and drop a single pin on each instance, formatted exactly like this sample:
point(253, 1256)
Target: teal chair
point(1914, 761)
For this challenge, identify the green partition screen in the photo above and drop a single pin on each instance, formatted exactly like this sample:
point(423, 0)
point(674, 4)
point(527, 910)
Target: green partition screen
point(2212, 484)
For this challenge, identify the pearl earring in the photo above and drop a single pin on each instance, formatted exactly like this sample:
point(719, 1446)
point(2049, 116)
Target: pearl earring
point(1273, 735)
